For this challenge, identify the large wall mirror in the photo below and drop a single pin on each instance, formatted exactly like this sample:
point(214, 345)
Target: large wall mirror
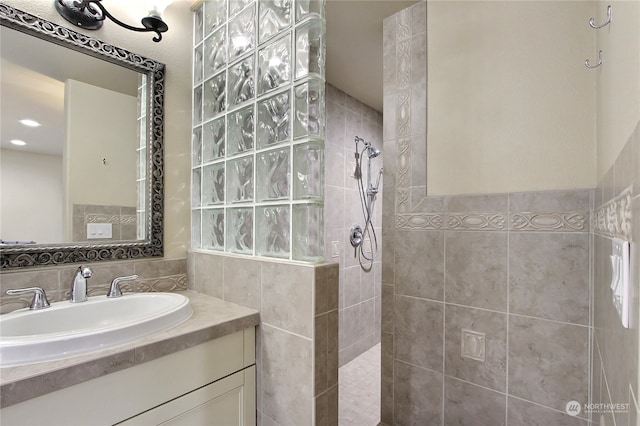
point(88, 184)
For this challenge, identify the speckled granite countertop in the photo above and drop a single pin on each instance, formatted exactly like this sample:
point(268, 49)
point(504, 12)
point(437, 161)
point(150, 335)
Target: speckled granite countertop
point(212, 318)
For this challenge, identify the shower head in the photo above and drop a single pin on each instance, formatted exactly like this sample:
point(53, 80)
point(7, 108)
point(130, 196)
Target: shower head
point(372, 151)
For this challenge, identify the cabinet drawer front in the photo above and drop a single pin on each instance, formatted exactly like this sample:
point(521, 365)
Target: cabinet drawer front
point(133, 390)
point(219, 404)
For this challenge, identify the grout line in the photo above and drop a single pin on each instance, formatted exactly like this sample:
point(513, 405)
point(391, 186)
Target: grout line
point(542, 406)
point(444, 320)
point(591, 320)
point(474, 384)
point(550, 320)
point(418, 366)
point(508, 272)
point(309, 339)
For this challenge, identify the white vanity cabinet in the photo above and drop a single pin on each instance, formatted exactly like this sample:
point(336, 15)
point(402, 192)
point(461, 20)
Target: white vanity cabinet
point(212, 383)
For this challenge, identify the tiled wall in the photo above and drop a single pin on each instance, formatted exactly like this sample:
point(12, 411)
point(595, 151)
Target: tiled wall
point(615, 348)
point(514, 268)
point(297, 341)
point(360, 290)
point(123, 221)
point(154, 275)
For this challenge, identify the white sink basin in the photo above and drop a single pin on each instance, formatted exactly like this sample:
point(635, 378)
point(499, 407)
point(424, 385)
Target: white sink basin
point(67, 329)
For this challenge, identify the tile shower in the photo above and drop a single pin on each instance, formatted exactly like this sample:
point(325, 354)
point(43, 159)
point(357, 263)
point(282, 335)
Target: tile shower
point(360, 294)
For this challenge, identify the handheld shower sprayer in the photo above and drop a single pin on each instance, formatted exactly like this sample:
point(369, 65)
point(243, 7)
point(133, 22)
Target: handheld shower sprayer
point(359, 235)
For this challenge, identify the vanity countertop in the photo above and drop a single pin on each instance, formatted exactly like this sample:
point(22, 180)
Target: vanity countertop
point(211, 318)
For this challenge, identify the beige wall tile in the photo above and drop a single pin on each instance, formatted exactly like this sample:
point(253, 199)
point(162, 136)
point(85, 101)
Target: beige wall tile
point(208, 274)
point(332, 406)
point(525, 413)
point(386, 402)
point(332, 348)
point(386, 357)
point(476, 269)
point(160, 268)
point(388, 309)
point(333, 287)
point(467, 404)
point(418, 332)
point(417, 396)
point(322, 410)
point(549, 276)
point(242, 282)
point(287, 377)
point(320, 345)
point(349, 319)
point(367, 285)
point(492, 372)
point(287, 297)
point(419, 260)
point(351, 286)
point(548, 361)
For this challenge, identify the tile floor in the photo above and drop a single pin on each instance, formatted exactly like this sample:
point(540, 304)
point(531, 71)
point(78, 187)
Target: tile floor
point(359, 390)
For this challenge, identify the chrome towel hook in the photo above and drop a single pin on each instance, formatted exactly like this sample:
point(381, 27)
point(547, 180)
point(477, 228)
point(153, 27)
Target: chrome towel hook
point(592, 22)
point(588, 65)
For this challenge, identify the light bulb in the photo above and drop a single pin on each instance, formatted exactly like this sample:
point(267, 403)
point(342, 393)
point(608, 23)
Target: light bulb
point(18, 142)
point(157, 7)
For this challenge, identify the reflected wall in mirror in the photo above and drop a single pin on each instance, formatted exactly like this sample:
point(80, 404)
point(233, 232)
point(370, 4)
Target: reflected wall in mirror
point(88, 185)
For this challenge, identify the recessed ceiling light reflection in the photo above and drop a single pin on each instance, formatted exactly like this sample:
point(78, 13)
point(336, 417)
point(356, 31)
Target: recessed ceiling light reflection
point(18, 142)
point(30, 123)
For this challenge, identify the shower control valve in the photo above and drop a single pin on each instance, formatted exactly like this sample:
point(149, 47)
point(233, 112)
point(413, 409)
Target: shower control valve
point(355, 235)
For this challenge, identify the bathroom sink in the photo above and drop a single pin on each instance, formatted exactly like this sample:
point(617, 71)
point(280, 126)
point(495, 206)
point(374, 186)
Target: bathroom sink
point(66, 329)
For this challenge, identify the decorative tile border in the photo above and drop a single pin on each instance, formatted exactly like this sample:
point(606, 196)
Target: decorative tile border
point(489, 221)
point(163, 284)
point(549, 221)
point(574, 221)
point(476, 221)
point(420, 221)
point(115, 219)
point(613, 219)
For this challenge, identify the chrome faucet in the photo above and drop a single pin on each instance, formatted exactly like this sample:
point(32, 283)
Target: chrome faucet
point(79, 285)
point(114, 290)
point(39, 297)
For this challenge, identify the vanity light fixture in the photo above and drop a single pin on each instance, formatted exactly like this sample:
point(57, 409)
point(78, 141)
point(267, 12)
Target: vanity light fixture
point(18, 142)
point(89, 14)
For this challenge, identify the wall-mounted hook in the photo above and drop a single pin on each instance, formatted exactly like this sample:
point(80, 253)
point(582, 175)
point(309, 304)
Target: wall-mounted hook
point(588, 65)
point(592, 22)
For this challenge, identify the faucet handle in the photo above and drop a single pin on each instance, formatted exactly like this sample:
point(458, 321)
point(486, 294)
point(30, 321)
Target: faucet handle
point(114, 290)
point(39, 301)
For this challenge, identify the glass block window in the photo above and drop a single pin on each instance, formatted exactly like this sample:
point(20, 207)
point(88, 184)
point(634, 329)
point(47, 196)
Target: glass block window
point(257, 173)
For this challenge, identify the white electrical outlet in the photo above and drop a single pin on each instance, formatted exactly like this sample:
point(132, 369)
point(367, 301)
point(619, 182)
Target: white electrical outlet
point(99, 231)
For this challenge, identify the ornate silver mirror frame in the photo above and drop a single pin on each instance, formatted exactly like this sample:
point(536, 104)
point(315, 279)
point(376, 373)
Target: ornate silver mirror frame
point(51, 255)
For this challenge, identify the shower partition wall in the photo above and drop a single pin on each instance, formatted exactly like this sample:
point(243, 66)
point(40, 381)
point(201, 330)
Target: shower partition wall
point(258, 128)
